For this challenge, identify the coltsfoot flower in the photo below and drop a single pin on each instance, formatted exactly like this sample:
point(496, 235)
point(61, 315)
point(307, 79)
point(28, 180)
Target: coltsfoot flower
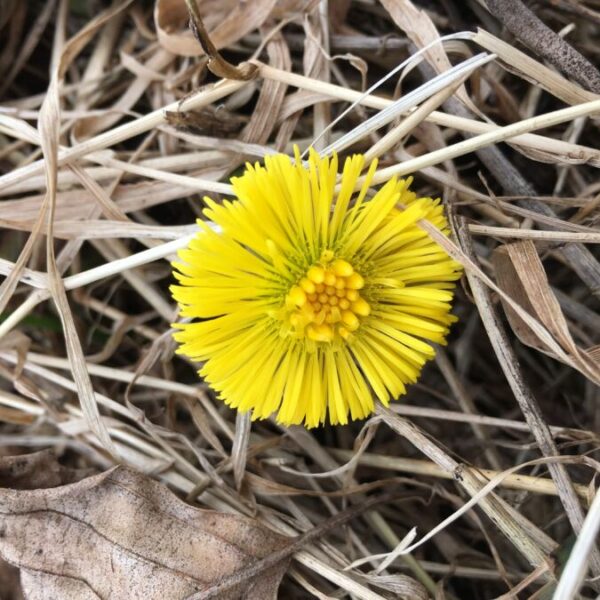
point(311, 300)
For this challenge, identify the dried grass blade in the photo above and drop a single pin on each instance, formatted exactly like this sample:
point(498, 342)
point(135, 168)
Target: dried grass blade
point(393, 137)
point(532, 70)
point(49, 128)
point(409, 101)
point(239, 450)
point(565, 151)
point(359, 98)
point(502, 514)
point(419, 28)
point(37, 279)
point(16, 272)
point(537, 485)
point(583, 237)
point(124, 132)
point(581, 554)
point(527, 403)
point(271, 97)
point(487, 139)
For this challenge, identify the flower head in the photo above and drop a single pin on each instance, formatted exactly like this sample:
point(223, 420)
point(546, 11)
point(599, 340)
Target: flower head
point(312, 300)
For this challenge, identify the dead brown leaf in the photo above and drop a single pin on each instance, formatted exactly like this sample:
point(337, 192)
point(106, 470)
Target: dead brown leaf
point(520, 273)
point(121, 535)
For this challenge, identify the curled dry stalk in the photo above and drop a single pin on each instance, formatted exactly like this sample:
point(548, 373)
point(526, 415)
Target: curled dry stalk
point(216, 63)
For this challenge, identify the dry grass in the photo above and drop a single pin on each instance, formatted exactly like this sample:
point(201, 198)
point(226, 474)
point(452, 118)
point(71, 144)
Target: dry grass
point(103, 163)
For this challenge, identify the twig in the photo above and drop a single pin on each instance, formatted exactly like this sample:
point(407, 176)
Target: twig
point(534, 234)
point(535, 34)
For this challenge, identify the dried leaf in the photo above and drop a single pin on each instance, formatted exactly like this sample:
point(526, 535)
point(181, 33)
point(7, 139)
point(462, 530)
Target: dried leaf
point(226, 21)
point(521, 275)
point(121, 535)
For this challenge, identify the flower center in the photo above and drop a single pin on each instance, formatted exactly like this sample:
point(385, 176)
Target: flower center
point(326, 302)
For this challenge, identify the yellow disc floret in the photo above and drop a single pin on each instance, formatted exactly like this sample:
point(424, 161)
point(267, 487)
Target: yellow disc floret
point(326, 304)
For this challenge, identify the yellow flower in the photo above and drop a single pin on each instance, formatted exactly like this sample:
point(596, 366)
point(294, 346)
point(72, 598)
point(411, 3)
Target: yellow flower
point(311, 301)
